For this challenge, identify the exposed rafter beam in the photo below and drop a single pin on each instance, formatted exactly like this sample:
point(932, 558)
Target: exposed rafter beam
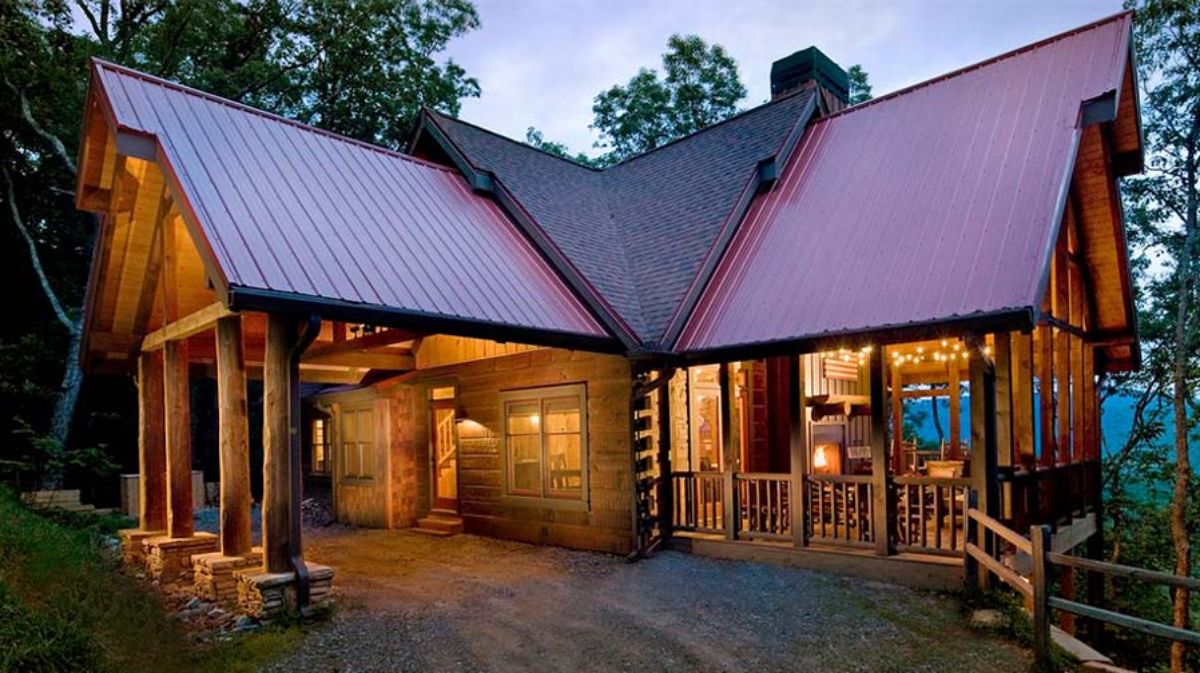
point(186, 326)
point(361, 345)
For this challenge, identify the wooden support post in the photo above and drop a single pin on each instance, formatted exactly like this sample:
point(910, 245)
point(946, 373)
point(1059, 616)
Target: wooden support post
point(152, 456)
point(1066, 582)
point(234, 434)
point(178, 423)
point(1004, 418)
point(1040, 537)
point(1045, 373)
point(666, 500)
point(881, 498)
point(955, 385)
point(728, 505)
point(1022, 399)
point(984, 476)
point(897, 421)
point(799, 450)
point(276, 509)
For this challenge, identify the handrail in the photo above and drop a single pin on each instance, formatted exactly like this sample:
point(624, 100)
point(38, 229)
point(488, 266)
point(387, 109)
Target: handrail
point(909, 480)
point(1124, 571)
point(1037, 589)
point(1019, 541)
point(841, 478)
point(776, 476)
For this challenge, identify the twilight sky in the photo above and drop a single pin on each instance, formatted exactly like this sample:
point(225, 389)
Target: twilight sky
point(540, 62)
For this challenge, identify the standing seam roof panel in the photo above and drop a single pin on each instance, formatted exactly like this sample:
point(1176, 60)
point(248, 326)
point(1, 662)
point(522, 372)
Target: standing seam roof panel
point(859, 236)
point(288, 208)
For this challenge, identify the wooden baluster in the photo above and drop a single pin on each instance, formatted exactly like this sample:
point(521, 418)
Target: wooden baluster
point(937, 515)
point(921, 491)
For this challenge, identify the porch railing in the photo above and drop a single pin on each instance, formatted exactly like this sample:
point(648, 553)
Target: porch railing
point(840, 509)
point(763, 501)
point(929, 513)
point(699, 501)
point(1047, 495)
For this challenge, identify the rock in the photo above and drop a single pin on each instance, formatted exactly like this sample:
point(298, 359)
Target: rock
point(989, 619)
point(244, 621)
point(193, 604)
point(216, 613)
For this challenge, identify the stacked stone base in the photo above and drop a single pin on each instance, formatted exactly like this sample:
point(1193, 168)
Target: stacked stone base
point(266, 595)
point(214, 574)
point(169, 560)
point(133, 550)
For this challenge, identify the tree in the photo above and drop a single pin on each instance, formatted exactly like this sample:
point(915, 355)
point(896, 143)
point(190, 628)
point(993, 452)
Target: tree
point(1164, 205)
point(701, 87)
point(361, 68)
point(534, 138)
point(860, 85)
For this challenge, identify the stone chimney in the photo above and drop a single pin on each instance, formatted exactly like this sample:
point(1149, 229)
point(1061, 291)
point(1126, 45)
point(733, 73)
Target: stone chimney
point(811, 69)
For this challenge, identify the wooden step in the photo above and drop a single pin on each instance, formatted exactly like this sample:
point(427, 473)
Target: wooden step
point(440, 524)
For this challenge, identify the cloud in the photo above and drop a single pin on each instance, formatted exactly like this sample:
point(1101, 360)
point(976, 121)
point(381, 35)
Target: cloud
point(540, 62)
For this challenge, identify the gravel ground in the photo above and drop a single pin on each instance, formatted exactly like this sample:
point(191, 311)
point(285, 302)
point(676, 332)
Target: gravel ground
point(410, 602)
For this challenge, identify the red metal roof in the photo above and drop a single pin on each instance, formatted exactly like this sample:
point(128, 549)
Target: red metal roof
point(927, 206)
point(291, 209)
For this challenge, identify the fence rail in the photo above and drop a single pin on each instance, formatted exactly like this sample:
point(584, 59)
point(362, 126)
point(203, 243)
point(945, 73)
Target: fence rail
point(699, 501)
point(1036, 588)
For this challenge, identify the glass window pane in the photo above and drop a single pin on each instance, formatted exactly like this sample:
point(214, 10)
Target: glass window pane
point(524, 455)
point(565, 458)
point(562, 415)
point(446, 393)
point(523, 418)
point(706, 429)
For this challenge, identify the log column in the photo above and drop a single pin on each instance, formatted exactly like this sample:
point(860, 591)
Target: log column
point(178, 422)
point(882, 501)
point(276, 510)
point(152, 457)
point(797, 417)
point(234, 438)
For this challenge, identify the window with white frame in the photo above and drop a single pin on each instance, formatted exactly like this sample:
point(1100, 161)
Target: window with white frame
point(545, 443)
point(358, 443)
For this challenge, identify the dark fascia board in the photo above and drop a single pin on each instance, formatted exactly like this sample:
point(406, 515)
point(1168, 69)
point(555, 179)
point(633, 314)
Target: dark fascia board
point(484, 182)
point(274, 301)
point(766, 174)
point(1006, 320)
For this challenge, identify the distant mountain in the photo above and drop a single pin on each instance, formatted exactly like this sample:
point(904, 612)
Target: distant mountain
point(1116, 419)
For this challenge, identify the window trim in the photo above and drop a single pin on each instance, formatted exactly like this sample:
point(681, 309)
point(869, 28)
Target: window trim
point(326, 443)
point(346, 476)
point(541, 396)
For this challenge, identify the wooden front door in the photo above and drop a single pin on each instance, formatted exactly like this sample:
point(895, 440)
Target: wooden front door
point(445, 456)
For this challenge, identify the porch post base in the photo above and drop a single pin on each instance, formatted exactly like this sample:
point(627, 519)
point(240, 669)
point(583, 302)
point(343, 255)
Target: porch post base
point(133, 551)
point(169, 559)
point(214, 574)
point(265, 595)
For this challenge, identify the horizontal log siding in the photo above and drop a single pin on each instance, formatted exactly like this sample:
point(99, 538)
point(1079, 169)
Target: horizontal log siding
point(606, 525)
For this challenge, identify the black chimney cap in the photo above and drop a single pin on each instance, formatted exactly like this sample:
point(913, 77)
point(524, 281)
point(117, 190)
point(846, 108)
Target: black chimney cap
point(789, 72)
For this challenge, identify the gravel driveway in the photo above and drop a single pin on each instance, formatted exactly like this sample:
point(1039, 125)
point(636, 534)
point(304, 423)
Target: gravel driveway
point(410, 602)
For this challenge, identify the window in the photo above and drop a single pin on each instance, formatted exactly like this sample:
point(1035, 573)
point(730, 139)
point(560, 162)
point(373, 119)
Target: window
point(545, 444)
point(706, 418)
point(320, 446)
point(358, 443)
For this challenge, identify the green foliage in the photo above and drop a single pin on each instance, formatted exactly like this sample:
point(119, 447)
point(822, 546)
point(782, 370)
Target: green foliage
point(534, 138)
point(860, 85)
point(363, 68)
point(65, 605)
point(701, 87)
point(34, 454)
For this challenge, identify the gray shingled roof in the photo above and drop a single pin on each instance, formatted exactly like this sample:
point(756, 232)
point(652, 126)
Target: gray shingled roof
point(638, 231)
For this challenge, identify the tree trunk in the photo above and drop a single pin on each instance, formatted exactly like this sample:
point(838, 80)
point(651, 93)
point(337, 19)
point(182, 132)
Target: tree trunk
point(64, 406)
point(937, 421)
point(1180, 397)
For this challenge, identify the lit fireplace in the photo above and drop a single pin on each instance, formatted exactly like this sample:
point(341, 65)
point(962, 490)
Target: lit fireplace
point(828, 444)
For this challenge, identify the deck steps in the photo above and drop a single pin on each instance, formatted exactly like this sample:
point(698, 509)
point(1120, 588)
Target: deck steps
point(438, 523)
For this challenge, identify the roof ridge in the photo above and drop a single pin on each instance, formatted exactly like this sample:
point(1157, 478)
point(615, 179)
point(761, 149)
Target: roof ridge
point(992, 60)
point(514, 141)
point(695, 134)
point(250, 109)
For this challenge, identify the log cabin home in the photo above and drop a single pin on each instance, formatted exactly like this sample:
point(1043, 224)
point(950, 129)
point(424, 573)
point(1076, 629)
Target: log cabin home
point(706, 347)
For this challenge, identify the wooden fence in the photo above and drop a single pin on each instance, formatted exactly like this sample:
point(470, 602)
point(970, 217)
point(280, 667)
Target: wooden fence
point(1036, 588)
